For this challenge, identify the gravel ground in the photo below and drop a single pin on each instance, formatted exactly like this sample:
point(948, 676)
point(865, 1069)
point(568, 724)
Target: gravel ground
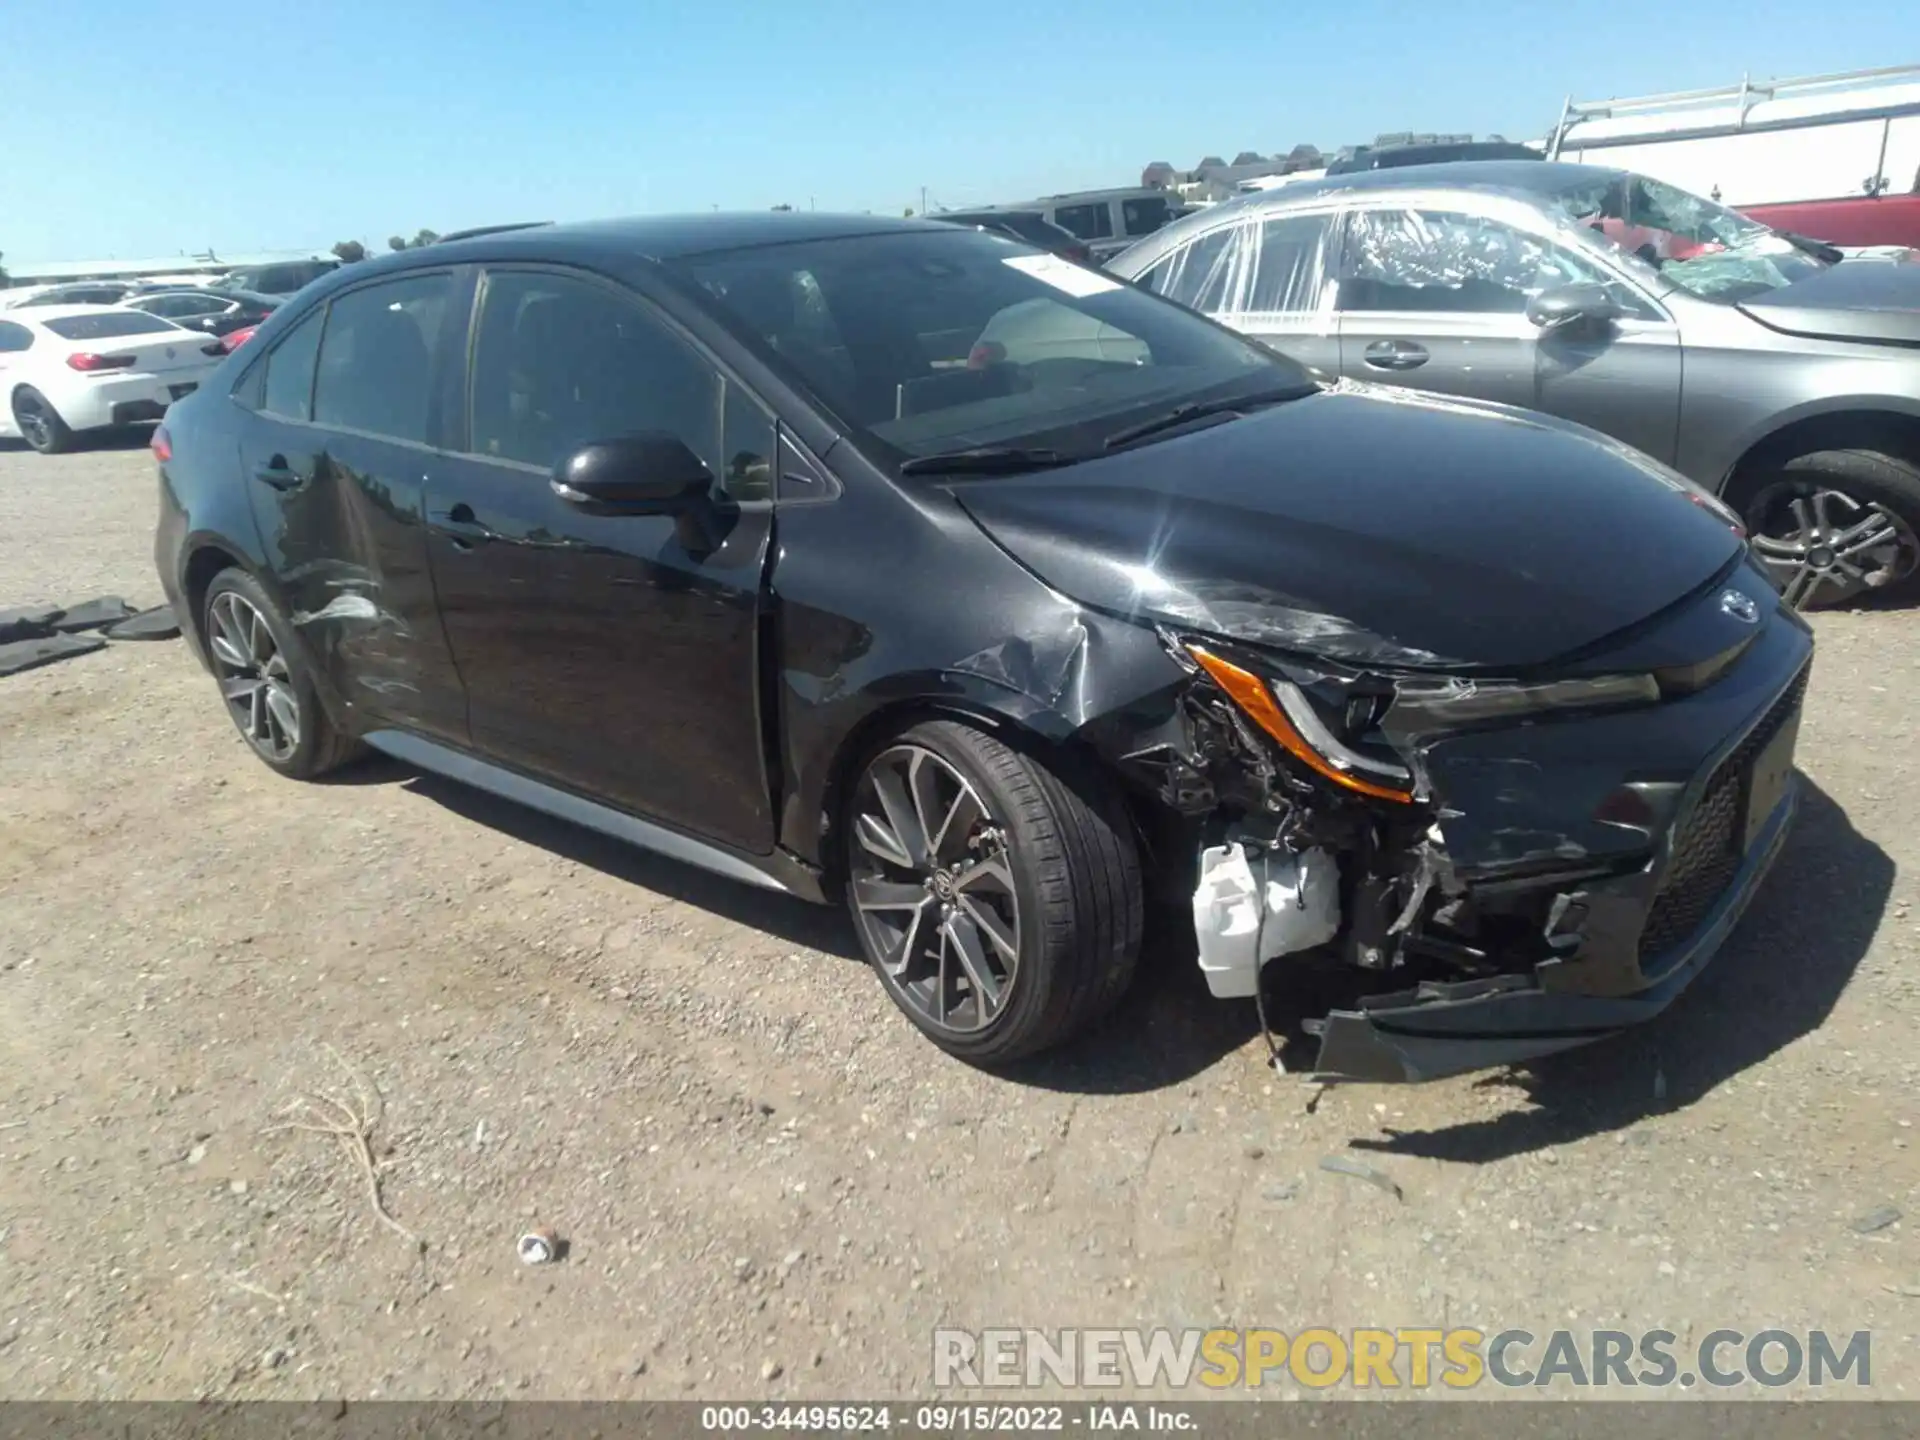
point(769, 1185)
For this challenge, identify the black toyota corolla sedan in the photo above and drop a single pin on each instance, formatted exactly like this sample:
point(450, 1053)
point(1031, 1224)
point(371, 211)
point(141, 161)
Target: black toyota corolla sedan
point(901, 562)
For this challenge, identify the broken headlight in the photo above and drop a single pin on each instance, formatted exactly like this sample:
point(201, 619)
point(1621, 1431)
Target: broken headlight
point(1283, 711)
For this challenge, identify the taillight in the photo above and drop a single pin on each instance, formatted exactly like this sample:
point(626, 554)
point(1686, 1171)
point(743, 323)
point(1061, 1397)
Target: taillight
point(89, 362)
point(238, 338)
point(162, 444)
point(213, 347)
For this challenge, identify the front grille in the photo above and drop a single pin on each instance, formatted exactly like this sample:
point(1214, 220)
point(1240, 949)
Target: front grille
point(1706, 848)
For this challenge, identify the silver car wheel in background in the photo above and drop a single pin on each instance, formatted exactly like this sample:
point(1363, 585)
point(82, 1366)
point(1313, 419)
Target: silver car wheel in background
point(933, 889)
point(1821, 545)
point(253, 676)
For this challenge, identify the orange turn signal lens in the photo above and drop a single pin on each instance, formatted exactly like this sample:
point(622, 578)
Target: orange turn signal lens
point(1251, 694)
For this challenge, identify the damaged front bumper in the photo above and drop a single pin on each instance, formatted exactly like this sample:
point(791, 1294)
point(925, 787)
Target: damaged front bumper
point(1546, 882)
point(1440, 1029)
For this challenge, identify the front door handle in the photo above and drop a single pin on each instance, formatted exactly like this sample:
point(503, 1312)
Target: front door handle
point(464, 528)
point(1396, 355)
point(277, 473)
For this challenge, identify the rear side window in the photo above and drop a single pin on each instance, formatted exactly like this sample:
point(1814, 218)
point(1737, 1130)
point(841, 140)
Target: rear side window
point(107, 327)
point(561, 362)
point(1145, 215)
point(14, 337)
point(1089, 222)
point(375, 371)
point(289, 384)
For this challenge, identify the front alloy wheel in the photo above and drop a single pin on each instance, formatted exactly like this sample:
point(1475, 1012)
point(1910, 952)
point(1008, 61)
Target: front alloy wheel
point(932, 890)
point(1823, 546)
point(254, 677)
point(995, 887)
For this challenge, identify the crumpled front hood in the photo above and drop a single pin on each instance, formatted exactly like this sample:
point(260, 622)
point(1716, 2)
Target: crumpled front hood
point(1370, 526)
point(1868, 300)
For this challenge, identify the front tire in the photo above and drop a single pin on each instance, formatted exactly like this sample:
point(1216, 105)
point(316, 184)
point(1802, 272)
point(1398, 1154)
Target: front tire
point(39, 423)
point(264, 680)
point(999, 903)
point(1834, 525)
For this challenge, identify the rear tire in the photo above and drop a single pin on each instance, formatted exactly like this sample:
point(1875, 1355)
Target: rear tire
point(39, 423)
point(264, 680)
point(1835, 525)
point(1000, 904)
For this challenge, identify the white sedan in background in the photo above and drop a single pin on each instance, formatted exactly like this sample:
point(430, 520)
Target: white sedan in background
point(86, 367)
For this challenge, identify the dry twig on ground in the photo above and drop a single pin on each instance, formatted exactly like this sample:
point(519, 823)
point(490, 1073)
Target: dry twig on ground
point(351, 1122)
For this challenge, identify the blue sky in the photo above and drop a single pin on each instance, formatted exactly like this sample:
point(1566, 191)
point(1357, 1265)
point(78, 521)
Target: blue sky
point(254, 124)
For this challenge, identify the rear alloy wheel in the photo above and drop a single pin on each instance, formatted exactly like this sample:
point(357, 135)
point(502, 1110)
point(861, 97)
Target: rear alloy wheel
point(39, 423)
point(1834, 526)
point(254, 677)
point(268, 693)
point(1002, 910)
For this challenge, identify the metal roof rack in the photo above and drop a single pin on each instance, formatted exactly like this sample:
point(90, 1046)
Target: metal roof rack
point(1746, 95)
point(473, 232)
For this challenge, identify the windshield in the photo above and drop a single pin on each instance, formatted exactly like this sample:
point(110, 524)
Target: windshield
point(926, 342)
point(1702, 247)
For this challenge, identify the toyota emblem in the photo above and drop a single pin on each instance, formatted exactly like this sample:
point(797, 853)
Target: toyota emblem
point(170, 352)
point(1740, 606)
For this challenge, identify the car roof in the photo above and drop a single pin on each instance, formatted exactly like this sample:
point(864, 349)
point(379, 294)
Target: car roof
point(218, 292)
point(1515, 177)
point(43, 313)
point(654, 237)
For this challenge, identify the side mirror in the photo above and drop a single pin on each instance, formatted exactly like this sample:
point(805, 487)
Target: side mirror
point(650, 473)
point(1583, 307)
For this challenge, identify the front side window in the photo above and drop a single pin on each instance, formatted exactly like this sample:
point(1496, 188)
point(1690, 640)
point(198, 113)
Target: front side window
point(375, 371)
point(1089, 222)
point(1452, 262)
point(1145, 215)
point(14, 337)
point(1701, 246)
point(288, 389)
point(1286, 264)
point(559, 362)
point(925, 342)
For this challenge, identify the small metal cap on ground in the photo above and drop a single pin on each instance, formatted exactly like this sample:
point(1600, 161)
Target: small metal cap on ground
point(539, 1247)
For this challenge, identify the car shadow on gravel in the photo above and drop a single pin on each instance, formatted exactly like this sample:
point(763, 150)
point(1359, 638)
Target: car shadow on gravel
point(817, 927)
point(1775, 982)
point(125, 437)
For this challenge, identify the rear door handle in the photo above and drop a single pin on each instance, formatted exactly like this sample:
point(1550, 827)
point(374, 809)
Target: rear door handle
point(1396, 355)
point(277, 473)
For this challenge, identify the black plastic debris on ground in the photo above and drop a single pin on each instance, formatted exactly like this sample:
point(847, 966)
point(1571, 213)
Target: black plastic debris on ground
point(28, 622)
point(92, 614)
point(155, 624)
point(18, 655)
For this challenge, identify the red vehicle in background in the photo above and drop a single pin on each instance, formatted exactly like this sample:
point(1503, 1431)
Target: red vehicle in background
point(1833, 157)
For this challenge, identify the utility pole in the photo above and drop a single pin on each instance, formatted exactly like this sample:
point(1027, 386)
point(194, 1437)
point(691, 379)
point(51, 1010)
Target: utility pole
point(923, 200)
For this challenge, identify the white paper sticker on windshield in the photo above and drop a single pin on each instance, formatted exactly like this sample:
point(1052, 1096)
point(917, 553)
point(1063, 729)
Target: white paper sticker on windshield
point(1063, 275)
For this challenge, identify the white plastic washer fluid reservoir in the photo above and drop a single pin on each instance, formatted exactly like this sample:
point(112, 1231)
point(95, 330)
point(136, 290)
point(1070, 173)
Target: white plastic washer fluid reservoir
point(1248, 909)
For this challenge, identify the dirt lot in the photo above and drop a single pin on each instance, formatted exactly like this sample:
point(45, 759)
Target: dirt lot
point(769, 1184)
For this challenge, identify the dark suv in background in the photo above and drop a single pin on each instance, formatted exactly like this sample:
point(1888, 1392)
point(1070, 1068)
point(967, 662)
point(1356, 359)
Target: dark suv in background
point(1027, 226)
point(280, 279)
